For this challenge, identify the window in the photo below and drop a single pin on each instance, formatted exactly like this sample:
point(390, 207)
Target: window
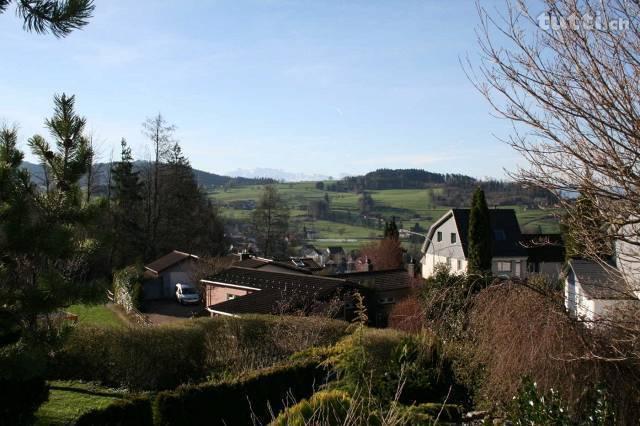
point(459, 265)
point(231, 296)
point(453, 238)
point(504, 266)
point(386, 300)
point(499, 235)
point(439, 236)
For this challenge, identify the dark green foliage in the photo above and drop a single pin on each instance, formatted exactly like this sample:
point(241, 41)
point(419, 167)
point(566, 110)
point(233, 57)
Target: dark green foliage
point(479, 239)
point(137, 358)
point(239, 402)
point(134, 411)
point(391, 229)
point(126, 210)
point(271, 222)
point(22, 383)
point(60, 17)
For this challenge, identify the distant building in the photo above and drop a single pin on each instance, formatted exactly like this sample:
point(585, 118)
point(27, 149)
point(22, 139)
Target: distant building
point(335, 254)
point(238, 291)
point(309, 251)
point(447, 240)
point(162, 275)
point(594, 291)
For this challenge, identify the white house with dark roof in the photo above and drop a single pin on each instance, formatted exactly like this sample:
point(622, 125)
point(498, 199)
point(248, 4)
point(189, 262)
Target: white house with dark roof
point(447, 241)
point(595, 291)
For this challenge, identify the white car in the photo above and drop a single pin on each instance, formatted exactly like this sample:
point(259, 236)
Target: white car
point(187, 294)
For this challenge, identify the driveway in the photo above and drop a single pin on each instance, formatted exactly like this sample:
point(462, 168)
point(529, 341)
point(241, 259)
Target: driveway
point(164, 311)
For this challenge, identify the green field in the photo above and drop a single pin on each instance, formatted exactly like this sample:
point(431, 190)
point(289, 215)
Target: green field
point(95, 315)
point(408, 206)
point(70, 399)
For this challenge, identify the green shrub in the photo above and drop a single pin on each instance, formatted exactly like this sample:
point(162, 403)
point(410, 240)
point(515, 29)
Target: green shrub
point(22, 382)
point(135, 411)
point(157, 358)
point(384, 360)
point(251, 398)
point(427, 413)
point(136, 358)
point(329, 407)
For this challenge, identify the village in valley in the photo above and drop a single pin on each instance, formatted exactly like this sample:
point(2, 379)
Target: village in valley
point(140, 284)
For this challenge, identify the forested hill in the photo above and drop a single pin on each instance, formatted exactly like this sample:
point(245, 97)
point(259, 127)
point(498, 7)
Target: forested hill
point(403, 179)
point(452, 189)
point(204, 178)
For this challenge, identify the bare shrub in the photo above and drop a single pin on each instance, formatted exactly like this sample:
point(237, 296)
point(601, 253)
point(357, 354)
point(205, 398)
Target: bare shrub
point(521, 331)
point(407, 315)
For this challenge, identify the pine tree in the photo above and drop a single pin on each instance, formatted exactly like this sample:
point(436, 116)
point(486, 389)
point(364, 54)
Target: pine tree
point(57, 16)
point(391, 229)
point(126, 209)
point(479, 238)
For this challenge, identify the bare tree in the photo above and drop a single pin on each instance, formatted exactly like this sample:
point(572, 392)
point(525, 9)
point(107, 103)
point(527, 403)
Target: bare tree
point(567, 77)
point(161, 135)
point(568, 80)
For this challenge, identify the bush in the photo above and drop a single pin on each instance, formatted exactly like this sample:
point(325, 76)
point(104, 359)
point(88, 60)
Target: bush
point(135, 411)
point(329, 407)
point(385, 360)
point(22, 382)
point(251, 398)
point(157, 358)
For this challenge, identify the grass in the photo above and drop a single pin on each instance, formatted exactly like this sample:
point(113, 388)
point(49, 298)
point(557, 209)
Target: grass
point(70, 399)
point(95, 316)
point(408, 206)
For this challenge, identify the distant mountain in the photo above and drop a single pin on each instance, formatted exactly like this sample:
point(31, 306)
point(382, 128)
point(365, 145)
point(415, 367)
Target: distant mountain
point(277, 174)
point(203, 178)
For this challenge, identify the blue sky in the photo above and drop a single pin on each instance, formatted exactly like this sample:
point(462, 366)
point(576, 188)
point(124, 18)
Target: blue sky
point(329, 87)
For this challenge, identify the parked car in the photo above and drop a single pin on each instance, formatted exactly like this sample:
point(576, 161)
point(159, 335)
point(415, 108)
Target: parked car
point(187, 294)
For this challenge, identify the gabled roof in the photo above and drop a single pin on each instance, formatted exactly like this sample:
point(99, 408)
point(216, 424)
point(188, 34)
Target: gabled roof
point(505, 231)
point(259, 262)
point(169, 260)
point(335, 250)
point(391, 279)
point(271, 289)
point(544, 247)
point(600, 282)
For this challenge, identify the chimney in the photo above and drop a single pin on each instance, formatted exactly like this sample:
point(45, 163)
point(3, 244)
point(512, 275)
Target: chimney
point(369, 265)
point(411, 268)
point(244, 255)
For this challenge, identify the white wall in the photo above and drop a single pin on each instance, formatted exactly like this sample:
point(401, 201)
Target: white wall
point(430, 261)
point(444, 251)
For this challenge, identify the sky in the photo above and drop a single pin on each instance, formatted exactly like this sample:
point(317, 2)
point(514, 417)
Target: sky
point(324, 87)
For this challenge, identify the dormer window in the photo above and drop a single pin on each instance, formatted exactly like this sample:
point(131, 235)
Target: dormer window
point(499, 235)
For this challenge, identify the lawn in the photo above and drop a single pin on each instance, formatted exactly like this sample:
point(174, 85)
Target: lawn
point(408, 206)
point(95, 315)
point(69, 399)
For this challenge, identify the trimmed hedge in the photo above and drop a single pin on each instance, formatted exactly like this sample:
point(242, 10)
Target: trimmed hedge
point(135, 411)
point(252, 398)
point(164, 357)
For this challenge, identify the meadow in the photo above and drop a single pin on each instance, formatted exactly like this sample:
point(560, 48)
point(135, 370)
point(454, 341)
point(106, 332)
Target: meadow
point(408, 206)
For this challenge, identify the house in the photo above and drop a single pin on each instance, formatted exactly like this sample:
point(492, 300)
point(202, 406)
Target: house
point(335, 254)
point(238, 291)
point(245, 260)
point(594, 291)
point(162, 275)
point(388, 287)
point(545, 254)
point(309, 251)
point(447, 242)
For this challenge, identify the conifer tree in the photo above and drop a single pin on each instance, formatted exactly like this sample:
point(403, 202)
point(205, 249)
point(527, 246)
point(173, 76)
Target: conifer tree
point(479, 238)
point(126, 209)
point(60, 17)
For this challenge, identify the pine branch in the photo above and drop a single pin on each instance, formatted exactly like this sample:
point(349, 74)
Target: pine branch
point(60, 17)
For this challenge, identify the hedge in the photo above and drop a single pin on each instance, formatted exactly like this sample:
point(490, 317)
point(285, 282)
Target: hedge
point(246, 401)
point(164, 357)
point(135, 411)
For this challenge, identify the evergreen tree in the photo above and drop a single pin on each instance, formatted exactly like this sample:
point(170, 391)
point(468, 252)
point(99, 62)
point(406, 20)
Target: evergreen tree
point(479, 238)
point(60, 17)
point(126, 210)
point(391, 229)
